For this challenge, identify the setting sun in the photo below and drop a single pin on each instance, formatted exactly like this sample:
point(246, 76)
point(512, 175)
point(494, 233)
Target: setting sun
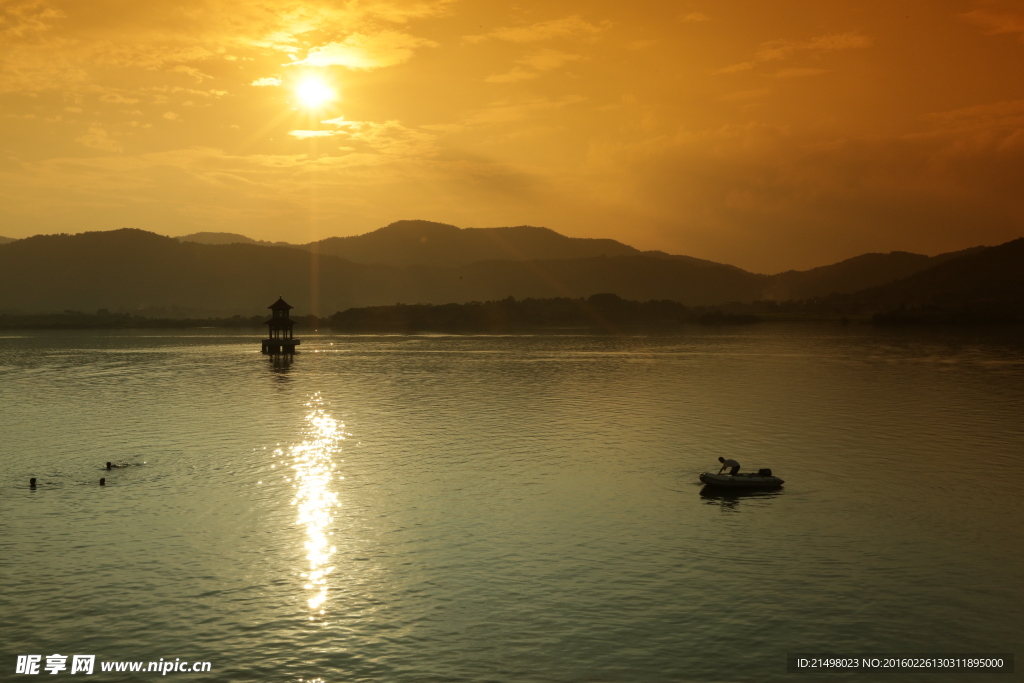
point(313, 92)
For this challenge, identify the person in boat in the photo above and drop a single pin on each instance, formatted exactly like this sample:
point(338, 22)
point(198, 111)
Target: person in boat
point(729, 464)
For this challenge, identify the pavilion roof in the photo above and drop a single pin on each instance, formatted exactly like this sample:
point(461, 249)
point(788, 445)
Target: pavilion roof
point(280, 304)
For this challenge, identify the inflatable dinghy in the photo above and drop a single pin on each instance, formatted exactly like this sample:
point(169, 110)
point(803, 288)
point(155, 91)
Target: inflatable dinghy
point(762, 479)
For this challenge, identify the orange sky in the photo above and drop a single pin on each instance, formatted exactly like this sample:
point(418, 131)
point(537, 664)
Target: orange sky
point(776, 135)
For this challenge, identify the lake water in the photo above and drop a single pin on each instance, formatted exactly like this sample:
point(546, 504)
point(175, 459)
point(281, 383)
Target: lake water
point(510, 508)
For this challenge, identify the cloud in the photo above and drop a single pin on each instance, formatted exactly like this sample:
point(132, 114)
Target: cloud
point(39, 66)
point(695, 17)
point(535, 64)
point(21, 20)
point(72, 48)
point(1005, 119)
point(264, 82)
point(797, 72)
point(98, 139)
point(545, 30)
point(191, 71)
point(776, 50)
point(372, 138)
point(998, 21)
point(117, 98)
point(736, 68)
point(745, 95)
point(837, 41)
point(339, 121)
point(781, 49)
point(305, 134)
point(362, 51)
point(516, 74)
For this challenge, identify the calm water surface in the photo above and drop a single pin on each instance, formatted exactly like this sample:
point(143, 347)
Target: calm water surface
point(525, 508)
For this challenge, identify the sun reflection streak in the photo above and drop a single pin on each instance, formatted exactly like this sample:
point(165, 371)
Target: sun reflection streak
point(313, 463)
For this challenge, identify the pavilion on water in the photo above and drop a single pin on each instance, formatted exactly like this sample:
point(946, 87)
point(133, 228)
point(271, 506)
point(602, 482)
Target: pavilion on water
point(280, 339)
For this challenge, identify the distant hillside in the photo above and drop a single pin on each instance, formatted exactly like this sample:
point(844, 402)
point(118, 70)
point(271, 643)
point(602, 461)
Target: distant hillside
point(990, 277)
point(227, 238)
point(425, 243)
point(5, 240)
point(854, 274)
point(406, 243)
point(133, 270)
point(136, 271)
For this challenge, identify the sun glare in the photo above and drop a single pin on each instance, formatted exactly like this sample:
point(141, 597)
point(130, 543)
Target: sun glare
point(313, 92)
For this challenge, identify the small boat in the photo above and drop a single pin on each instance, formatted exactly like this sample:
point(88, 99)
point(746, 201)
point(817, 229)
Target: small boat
point(762, 479)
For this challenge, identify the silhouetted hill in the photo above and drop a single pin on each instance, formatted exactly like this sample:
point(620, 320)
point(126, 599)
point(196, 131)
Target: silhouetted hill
point(228, 238)
point(854, 274)
point(688, 259)
point(992, 277)
point(425, 243)
point(406, 243)
point(5, 240)
point(133, 270)
point(638, 278)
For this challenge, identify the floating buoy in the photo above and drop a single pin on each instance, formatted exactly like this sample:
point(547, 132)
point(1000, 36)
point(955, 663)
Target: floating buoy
point(109, 466)
point(32, 483)
point(103, 482)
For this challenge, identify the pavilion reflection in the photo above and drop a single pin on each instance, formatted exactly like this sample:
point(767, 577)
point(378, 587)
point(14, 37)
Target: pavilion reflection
point(280, 363)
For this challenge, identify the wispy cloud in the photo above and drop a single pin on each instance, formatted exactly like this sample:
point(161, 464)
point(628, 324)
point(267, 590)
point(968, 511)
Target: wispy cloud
point(533, 65)
point(266, 82)
point(998, 20)
point(370, 137)
point(1000, 119)
point(695, 17)
point(20, 20)
point(98, 139)
point(776, 50)
point(366, 51)
point(798, 72)
point(195, 73)
point(306, 134)
point(736, 68)
point(573, 25)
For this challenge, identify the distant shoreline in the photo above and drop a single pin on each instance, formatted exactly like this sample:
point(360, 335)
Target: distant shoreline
point(599, 313)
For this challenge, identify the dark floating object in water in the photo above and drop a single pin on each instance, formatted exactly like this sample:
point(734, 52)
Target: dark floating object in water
point(109, 466)
point(32, 483)
point(103, 482)
point(762, 480)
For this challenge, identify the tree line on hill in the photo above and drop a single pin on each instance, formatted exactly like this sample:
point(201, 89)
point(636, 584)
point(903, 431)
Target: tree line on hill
point(600, 312)
point(606, 313)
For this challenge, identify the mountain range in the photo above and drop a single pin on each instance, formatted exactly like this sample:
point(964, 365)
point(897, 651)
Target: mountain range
point(424, 262)
point(425, 243)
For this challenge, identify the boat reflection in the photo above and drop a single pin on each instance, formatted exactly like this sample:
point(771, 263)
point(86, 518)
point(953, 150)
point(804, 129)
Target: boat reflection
point(730, 498)
point(312, 461)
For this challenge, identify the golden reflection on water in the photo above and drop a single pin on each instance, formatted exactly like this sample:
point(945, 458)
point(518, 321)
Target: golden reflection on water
point(313, 463)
